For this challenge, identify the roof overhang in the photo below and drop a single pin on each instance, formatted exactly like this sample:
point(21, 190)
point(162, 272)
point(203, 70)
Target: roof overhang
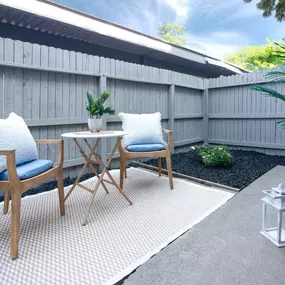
point(87, 25)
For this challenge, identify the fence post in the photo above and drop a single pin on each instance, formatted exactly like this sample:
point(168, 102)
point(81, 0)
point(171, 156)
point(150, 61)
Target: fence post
point(206, 111)
point(103, 145)
point(171, 115)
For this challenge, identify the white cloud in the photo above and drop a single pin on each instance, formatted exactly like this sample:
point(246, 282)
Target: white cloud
point(139, 16)
point(229, 10)
point(217, 44)
point(181, 8)
point(234, 10)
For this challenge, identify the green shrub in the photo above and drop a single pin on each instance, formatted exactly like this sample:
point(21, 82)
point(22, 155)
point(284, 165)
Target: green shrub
point(213, 155)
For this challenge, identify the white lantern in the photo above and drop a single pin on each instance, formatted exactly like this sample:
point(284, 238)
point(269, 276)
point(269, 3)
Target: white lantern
point(275, 199)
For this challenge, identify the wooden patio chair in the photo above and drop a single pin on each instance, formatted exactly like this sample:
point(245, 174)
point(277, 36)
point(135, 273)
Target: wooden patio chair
point(15, 185)
point(147, 150)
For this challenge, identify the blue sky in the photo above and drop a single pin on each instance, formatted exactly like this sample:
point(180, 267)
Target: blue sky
point(215, 27)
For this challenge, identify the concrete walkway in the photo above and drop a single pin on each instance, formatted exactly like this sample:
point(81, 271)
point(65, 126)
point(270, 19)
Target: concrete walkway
point(224, 249)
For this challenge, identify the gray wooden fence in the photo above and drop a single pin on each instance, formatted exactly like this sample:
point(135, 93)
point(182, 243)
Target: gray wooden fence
point(244, 118)
point(47, 87)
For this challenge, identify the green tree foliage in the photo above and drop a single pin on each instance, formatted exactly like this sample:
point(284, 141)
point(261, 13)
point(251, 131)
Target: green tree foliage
point(270, 6)
point(256, 57)
point(172, 33)
point(277, 76)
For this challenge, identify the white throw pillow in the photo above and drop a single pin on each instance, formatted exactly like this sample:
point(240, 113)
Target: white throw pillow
point(14, 134)
point(141, 129)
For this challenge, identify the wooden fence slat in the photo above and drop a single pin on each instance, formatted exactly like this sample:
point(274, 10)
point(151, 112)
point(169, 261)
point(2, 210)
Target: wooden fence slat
point(206, 113)
point(2, 49)
point(171, 112)
point(43, 99)
point(2, 91)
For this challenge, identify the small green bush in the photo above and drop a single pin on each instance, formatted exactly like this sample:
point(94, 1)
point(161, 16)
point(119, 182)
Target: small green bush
point(213, 155)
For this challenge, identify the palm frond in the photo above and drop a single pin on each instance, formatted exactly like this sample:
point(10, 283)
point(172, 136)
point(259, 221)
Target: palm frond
point(280, 45)
point(276, 76)
point(268, 91)
point(281, 123)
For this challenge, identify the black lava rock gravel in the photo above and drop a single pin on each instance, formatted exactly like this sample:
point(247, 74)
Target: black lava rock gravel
point(247, 166)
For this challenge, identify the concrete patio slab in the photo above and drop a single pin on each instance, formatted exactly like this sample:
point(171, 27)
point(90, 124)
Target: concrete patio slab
point(226, 248)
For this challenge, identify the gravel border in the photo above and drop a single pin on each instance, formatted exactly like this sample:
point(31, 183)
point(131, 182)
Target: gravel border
point(247, 166)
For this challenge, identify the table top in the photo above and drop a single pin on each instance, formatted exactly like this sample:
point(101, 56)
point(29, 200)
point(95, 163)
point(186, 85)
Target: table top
point(92, 135)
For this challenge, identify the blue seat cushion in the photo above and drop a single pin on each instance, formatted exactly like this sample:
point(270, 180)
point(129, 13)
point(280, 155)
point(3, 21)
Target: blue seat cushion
point(29, 169)
point(145, 147)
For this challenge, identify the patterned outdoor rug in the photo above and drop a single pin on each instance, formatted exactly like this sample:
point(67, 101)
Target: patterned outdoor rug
point(57, 250)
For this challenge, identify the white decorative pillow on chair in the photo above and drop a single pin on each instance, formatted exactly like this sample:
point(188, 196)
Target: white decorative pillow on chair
point(141, 129)
point(14, 134)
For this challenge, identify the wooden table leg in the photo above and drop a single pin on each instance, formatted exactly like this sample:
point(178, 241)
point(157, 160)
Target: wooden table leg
point(93, 153)
point(76, 181)
point(86, 164)
point(105, 171)
point(111, 177)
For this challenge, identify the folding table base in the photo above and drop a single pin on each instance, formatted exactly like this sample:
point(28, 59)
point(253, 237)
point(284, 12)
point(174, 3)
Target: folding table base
point(89, 162)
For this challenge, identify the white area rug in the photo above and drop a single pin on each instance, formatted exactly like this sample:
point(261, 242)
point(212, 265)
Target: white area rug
point(57, 250)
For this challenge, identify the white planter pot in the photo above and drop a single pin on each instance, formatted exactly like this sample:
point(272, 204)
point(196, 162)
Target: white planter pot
point(94, 125)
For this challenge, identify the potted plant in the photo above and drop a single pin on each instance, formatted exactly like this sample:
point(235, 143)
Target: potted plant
point(96, 110)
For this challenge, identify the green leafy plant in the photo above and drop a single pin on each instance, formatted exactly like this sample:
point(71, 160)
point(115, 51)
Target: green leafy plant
point(276, 76)
point(95, 107)
point(213, 155)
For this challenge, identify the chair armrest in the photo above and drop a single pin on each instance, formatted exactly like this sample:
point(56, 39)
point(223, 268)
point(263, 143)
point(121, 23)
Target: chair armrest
point(169, 135)
point(60, 144)
point(11, 165)
point(48, 141)
point(7, 152)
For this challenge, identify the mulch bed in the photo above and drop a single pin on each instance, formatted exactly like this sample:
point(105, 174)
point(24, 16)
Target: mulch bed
point(247, 166)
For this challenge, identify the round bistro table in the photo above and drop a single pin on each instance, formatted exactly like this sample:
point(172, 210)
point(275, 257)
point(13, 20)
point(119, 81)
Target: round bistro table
point(92, 159)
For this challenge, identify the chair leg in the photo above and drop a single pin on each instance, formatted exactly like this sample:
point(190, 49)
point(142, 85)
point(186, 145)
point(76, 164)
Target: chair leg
point(159, 166)
point(122, 171)
point(61, 193)
point(6, 202)
point(169, 170)
point(15, 223)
